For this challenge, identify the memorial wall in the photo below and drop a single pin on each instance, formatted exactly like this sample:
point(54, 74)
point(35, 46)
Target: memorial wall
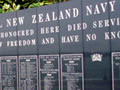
point(72, 45)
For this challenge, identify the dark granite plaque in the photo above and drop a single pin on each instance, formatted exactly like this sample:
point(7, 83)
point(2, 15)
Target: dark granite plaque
point(115, 26)
point(116, 71)
point(97, 71)
point(28, 77)
point(27, 32)
point(71, 26)
point(96, 37)
point(72, 73)
point(9, 78)
point(8, 34)
point(48, 29)
point(49, 72)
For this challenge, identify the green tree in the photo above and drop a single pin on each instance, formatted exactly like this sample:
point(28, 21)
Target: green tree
point(14, 5)
point(8, 6)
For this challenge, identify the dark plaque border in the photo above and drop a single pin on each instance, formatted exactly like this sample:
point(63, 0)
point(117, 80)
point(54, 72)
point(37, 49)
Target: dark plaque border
point(58, 70)
point(113, 78)
point(82, 69)
point(9, 57)
point(29, 56)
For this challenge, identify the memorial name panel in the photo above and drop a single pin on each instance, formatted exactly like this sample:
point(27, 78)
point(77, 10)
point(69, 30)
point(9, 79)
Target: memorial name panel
point(48, 29)
point(49, 72)
point(9, 77)
point(27, 32)
point(116, 71)
point(95, 14)
point(8, 33)
point(28, 77)
point(72, 73)
point(97, 71)
point(71, 26)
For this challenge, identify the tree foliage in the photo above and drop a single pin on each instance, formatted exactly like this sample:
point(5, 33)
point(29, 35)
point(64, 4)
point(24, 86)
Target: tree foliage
point(8, 6)
point(14, 5)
